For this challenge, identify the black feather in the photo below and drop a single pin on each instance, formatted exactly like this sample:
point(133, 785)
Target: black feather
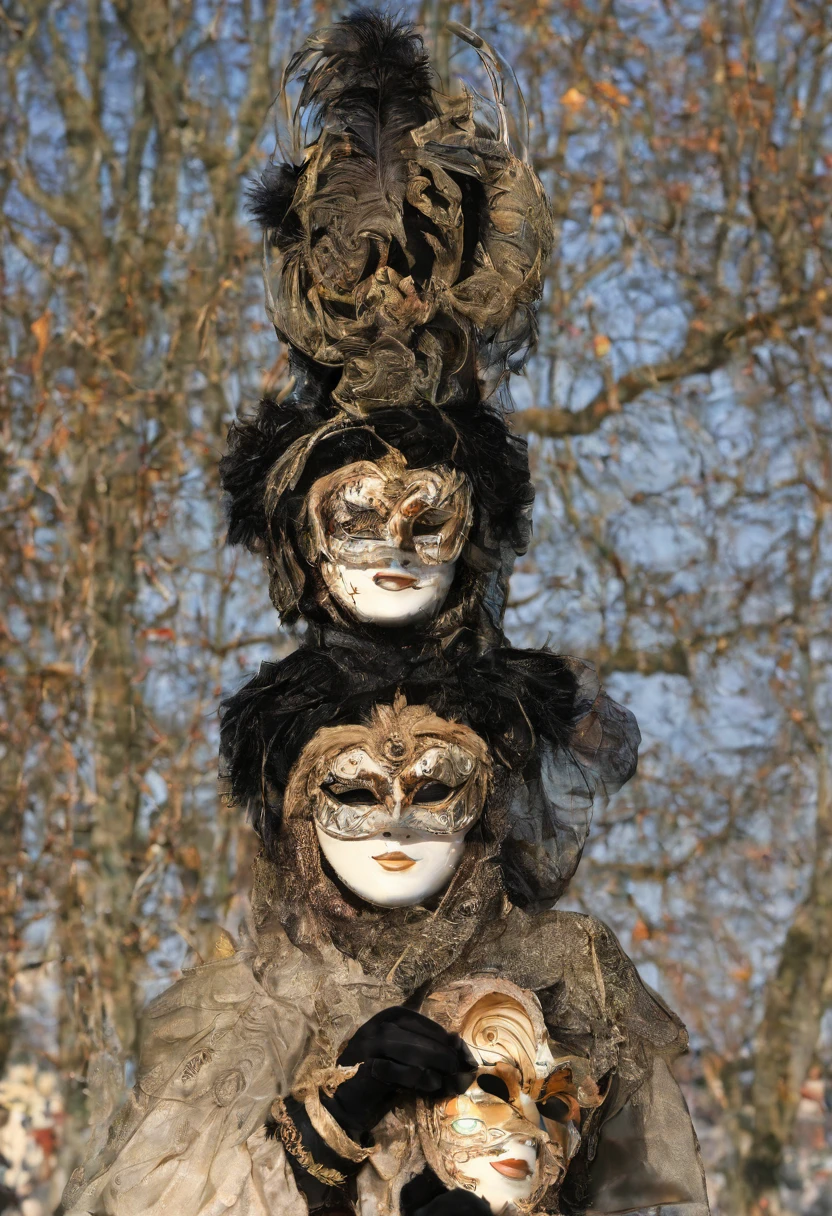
point(506, 695)
point(270, 199)
point(368, 73)
point(257, 441)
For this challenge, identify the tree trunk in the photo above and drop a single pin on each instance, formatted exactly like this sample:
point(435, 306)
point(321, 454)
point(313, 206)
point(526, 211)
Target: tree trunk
point(788, 1033)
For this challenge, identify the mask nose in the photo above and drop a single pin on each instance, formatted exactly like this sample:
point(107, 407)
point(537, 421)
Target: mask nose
point(400, 562)
point(400, 530)
point(395, 803)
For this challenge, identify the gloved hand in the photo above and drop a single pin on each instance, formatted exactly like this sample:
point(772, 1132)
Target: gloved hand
point(455, 1203)
point(425, 1195)
point(398, 1051)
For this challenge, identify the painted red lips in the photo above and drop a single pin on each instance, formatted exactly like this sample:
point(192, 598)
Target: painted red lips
point(395, 861)
point(512, 1167)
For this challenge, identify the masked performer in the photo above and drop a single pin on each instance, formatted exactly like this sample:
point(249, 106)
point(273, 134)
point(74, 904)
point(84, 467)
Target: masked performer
point(403, 249)
point(398, 529)
point(382, 881)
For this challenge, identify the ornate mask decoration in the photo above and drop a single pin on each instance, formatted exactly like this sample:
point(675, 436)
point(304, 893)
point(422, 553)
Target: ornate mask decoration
point(393, 800)
point(388, 537)
point(510, 1137)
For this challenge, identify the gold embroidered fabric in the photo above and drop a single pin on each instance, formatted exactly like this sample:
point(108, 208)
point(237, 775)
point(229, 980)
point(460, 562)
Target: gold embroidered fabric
point(293, 1144)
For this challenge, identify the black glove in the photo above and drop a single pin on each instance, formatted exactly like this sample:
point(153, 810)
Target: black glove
point(398, 1051)
point(455, 1203)
point(425, 1195)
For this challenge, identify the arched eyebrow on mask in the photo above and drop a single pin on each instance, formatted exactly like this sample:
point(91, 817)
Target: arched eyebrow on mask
point(357, 765)
point(365, 493)
point(443, 761)
point(366, 486)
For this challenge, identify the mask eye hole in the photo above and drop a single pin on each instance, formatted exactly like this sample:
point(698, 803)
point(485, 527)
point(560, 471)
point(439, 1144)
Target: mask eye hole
point(467, 1127)
point(430, 523)
point(357, 796)
point(554, 1108)
point(432, 791)
point(495, 1086)
point(362, 523)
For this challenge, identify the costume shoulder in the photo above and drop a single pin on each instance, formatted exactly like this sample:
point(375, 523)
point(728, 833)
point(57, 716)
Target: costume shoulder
point(622, 993)
point(217, 1047)
point(594, 1000)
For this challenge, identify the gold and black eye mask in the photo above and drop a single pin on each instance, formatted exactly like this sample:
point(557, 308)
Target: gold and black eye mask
point(370, 511)
point(407, 767)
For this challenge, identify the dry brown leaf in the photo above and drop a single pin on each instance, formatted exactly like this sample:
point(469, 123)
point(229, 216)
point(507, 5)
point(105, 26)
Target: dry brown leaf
point(641, 931)
point(188, 856)
point(159, 635)
point(59, 671)
point(611, 94)
point(573, 99)
point(41, 328)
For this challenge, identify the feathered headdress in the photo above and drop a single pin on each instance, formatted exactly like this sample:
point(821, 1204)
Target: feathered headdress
point(406, 249)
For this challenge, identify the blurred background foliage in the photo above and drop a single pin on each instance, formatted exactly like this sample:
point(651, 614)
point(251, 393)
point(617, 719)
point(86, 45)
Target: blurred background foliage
point(680, 418)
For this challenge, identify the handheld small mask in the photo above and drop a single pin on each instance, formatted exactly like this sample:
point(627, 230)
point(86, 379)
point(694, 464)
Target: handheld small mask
point(509, 1138)
point(388, 537)
point(393, 800)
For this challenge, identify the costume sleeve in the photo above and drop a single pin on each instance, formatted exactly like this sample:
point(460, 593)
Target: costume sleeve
point(642, 1151)
point(217, 1049)
point(648, 1154)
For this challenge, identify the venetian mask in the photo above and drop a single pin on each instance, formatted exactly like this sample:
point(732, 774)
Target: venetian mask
point(388, 537)
point(393, 800)
point(509, 1138)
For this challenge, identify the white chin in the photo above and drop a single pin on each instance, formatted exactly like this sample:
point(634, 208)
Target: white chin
point(354, 861)
point(497, 1190)
point(355, 588)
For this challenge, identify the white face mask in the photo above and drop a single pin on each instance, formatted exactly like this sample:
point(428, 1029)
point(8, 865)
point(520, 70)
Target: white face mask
point(398, 591)
point(396, 869)
point(392, 799)
point(507, 1179)
point(501, 1138)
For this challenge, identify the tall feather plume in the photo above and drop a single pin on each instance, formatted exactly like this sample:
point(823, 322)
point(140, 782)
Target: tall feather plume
point(367, 81)
point(368, 74)
point(409, 253)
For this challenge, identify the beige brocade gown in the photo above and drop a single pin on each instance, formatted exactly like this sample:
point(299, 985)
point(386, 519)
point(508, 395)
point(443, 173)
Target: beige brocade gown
point(217, 1047)
point(220, 1044)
